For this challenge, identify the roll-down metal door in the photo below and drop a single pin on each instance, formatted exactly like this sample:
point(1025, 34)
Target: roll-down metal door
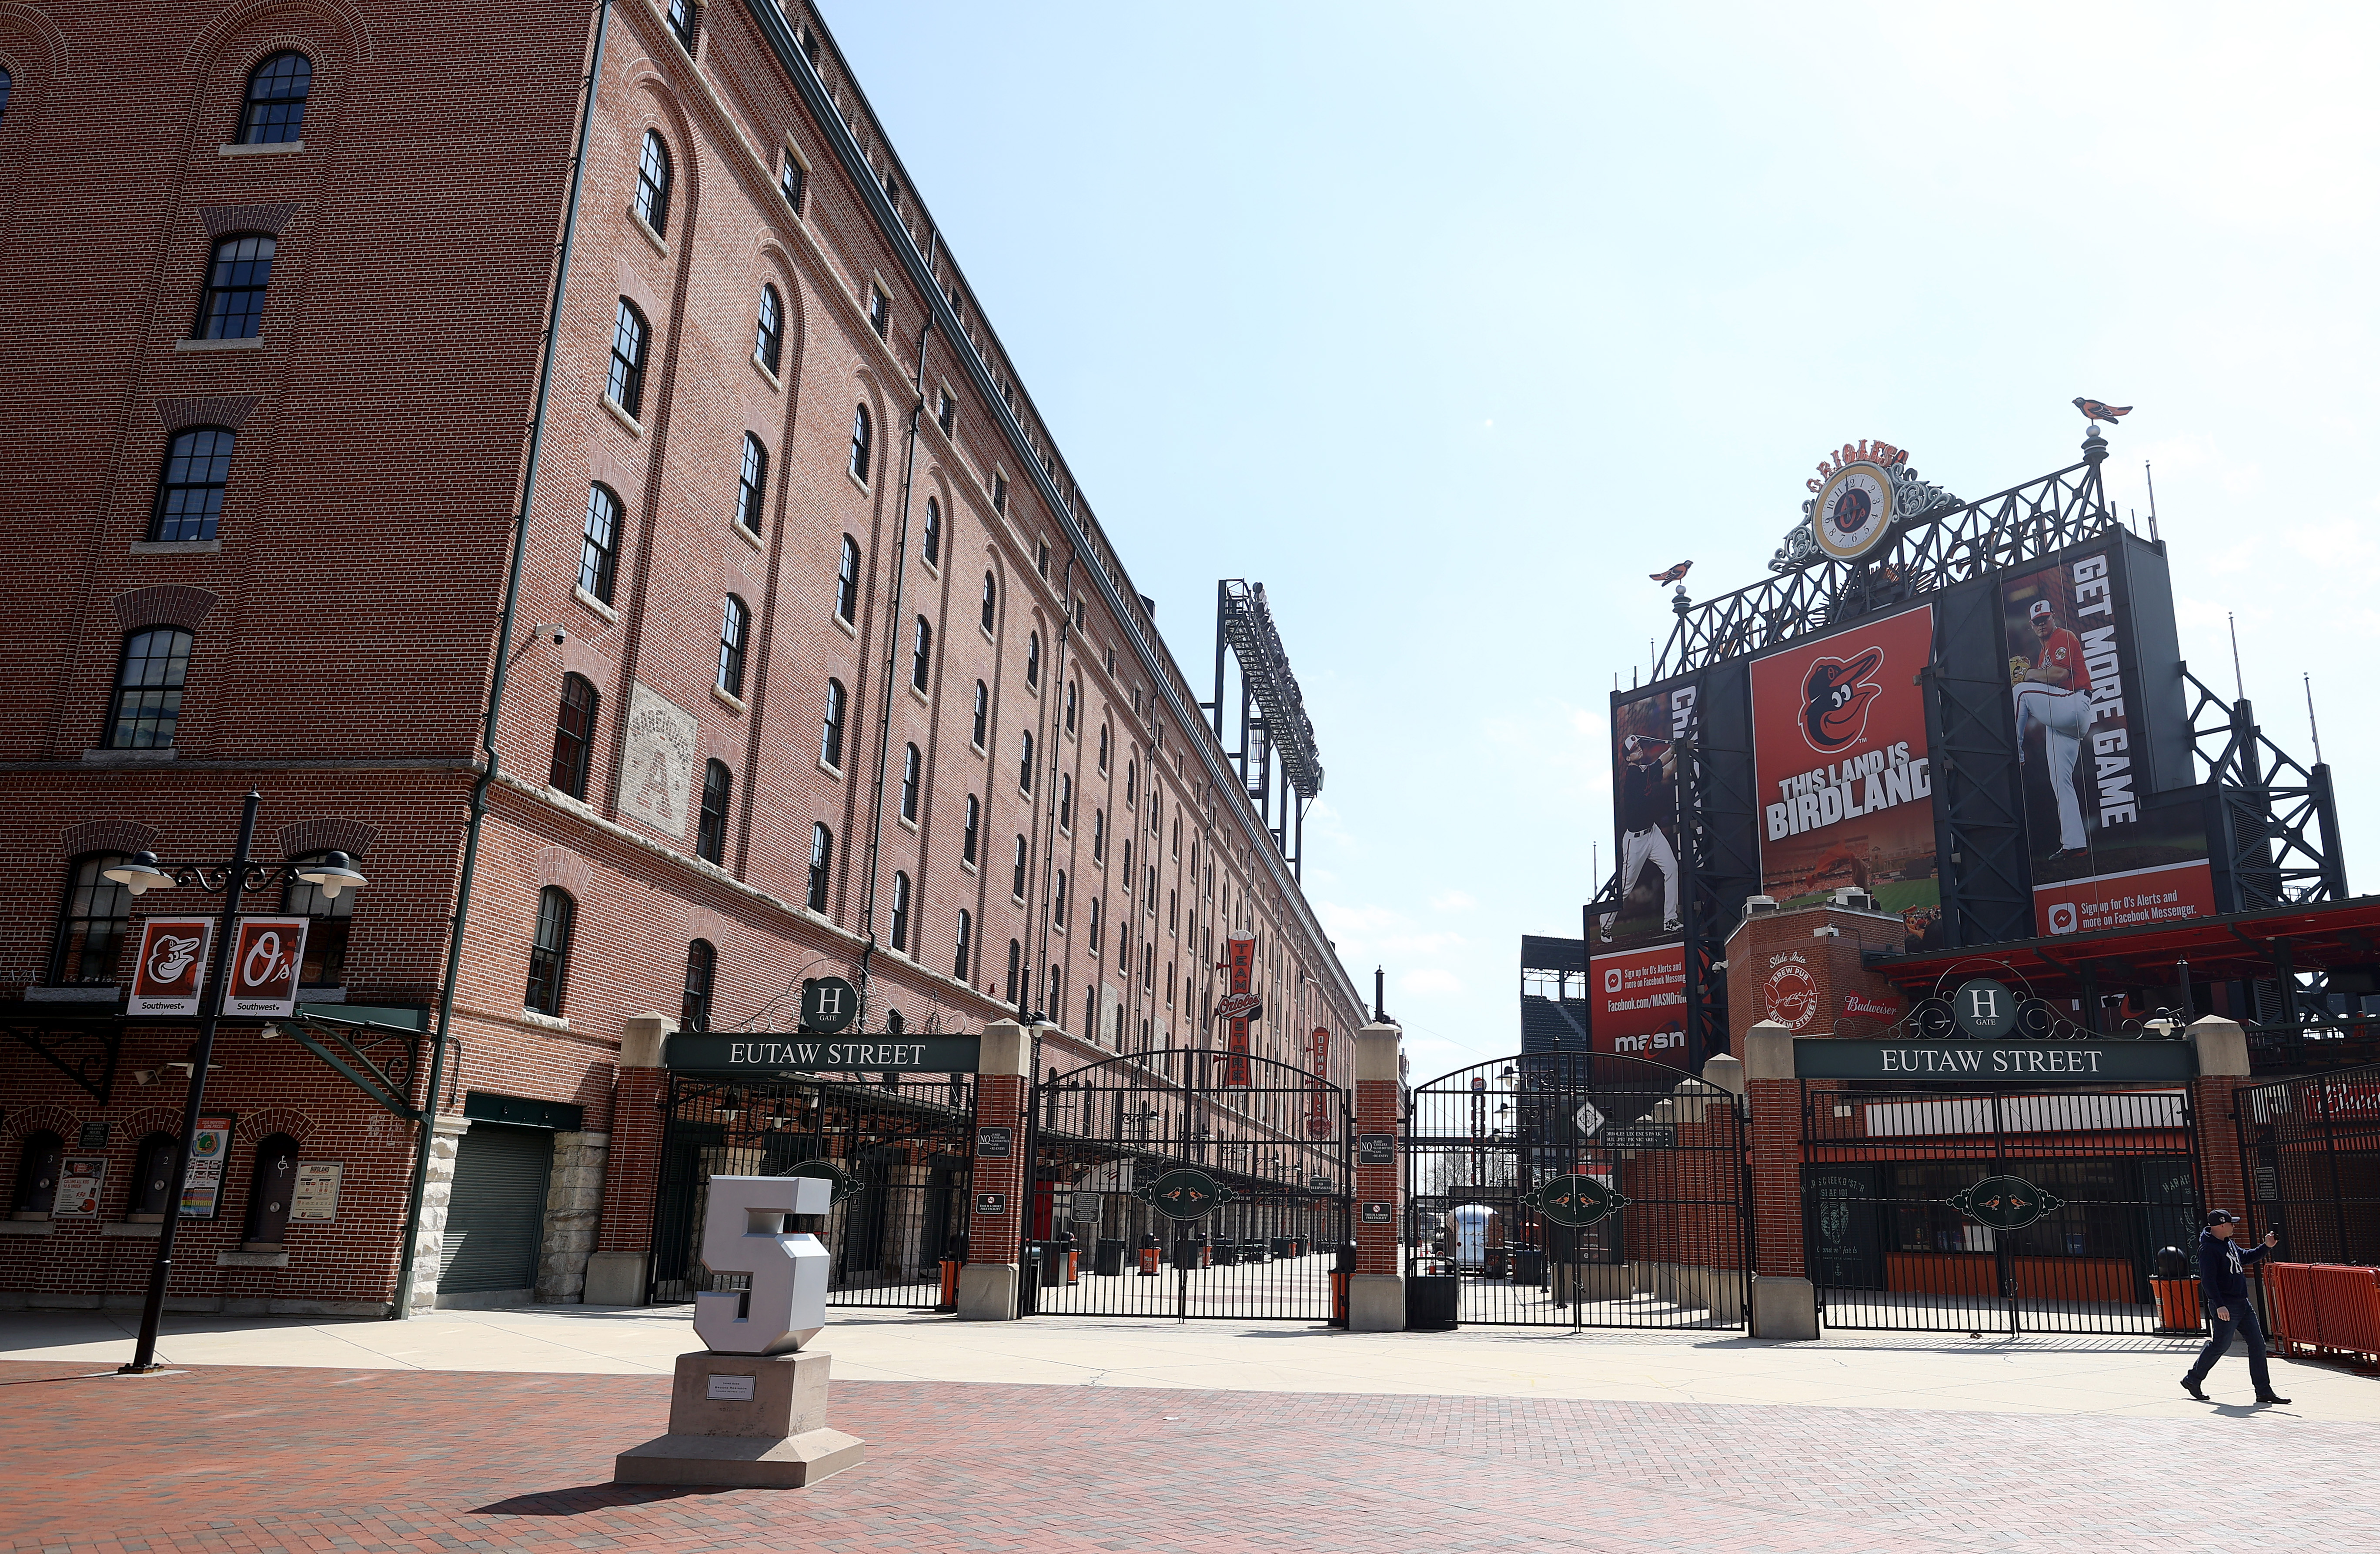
point(497, 1214)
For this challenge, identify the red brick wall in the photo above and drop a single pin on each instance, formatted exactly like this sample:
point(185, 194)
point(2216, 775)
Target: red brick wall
point(1379, 1108)
point(348, 636)
point(998, 1103)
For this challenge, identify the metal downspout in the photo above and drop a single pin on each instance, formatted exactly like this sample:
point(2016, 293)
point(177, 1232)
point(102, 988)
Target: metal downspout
point(892, 666)
point(404, 1303)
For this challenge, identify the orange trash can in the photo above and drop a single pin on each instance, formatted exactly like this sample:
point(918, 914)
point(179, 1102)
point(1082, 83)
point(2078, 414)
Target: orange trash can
point(2177, 1301)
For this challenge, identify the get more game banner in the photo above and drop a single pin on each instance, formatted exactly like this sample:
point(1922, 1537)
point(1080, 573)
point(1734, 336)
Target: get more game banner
point(1644, 735)
point(1638, 1003)
point(2104, 853)
point(1841, 767)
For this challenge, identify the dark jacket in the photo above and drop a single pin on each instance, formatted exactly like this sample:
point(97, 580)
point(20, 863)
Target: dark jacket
point(2219, 1258)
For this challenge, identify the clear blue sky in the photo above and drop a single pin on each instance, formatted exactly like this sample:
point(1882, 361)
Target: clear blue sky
point(1452, 325)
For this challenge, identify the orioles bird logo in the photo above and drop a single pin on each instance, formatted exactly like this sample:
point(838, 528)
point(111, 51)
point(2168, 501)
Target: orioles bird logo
point(1836, 698)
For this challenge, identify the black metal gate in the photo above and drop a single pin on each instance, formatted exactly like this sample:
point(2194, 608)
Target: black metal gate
point(1994, 1211)
point(2309, 1152)
point(895, 1151)
point(1274, 1140)
point(1580, 1189)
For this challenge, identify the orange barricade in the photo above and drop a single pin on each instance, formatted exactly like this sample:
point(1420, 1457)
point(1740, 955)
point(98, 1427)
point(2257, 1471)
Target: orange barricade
point(2325, 1308)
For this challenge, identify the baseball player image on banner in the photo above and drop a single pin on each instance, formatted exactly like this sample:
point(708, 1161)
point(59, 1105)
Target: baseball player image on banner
point(2104, 853)
point(1842, 770)
point(1645, 736)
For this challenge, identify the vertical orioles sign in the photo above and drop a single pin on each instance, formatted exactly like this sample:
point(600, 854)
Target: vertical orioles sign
point(1239, 1006)
point(1317, 1105)
point(173, 966)
point(1842, 766)
point(265, 953)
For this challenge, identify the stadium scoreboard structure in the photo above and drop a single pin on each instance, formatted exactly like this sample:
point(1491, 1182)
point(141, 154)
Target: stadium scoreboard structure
point(1971, 715)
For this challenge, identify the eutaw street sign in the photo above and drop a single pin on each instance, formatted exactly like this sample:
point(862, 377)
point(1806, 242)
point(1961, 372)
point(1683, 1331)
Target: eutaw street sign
point(2015, 1063)
point(744, 1052)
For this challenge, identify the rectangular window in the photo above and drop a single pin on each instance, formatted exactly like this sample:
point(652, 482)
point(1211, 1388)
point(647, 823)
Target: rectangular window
point(149, 690)
point(947, 414)
point(791, 180)
point(880, 312)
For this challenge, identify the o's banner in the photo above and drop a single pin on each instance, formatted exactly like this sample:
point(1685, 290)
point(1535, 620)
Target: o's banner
point(1841, 767)
point(265, 952)
point(1239, 1006)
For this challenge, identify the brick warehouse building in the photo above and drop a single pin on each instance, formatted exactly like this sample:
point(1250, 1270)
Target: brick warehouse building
point(786, 670)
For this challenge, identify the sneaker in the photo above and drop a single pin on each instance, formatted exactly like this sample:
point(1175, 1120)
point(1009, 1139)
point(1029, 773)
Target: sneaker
point(2192, 1388)
point(2271, 1397)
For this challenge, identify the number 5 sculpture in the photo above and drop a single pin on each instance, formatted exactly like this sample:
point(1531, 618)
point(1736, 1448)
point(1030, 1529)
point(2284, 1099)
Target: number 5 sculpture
point(743, 1231)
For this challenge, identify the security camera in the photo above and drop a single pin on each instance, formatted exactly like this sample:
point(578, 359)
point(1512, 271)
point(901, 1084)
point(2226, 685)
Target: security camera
point(555, 631)
point(144, 1076)
point(558, 635)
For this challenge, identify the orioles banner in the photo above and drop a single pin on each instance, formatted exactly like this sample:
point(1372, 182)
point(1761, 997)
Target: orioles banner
point(1239, 1006)
point(1842, 770)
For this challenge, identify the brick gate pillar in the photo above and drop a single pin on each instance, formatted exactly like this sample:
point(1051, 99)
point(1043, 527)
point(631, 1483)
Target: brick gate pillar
point(1376, 1292)
point(1784, 1303)
point(2222, 1048)
point(619, 1267)
point(1001, 1178)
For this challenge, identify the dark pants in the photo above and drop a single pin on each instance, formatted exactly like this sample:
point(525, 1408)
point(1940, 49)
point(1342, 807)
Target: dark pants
point(2243, 1321)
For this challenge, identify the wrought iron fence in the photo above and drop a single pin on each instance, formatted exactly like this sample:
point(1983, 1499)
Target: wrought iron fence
point(2309, 1152)
point(1578, 1189)
point(1273, 1141)
point(897, 1153)
point(1992, 1211)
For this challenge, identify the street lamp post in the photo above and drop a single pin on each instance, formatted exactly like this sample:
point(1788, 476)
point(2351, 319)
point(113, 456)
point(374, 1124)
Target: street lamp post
point(142, 874)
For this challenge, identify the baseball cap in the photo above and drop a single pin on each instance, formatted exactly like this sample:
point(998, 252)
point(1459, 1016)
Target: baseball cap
point(2222, 1217)
point(2040, 608)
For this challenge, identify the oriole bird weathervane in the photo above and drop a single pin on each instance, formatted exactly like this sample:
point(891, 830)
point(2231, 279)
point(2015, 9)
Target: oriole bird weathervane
point(2095, 412)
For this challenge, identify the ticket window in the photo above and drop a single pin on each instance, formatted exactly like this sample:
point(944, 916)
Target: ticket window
point(152, 1180)
point(37, 1175)
point(269, 1185)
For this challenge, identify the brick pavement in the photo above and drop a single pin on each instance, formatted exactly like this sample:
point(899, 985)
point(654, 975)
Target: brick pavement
point(242, 1460)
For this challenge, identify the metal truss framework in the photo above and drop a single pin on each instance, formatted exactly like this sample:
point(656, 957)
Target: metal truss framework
point(1931, 553)
point(1279, 727)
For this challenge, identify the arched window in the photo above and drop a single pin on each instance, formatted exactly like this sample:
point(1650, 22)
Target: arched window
point(768, 330)
point(8, 81)
point(1130, 783)
point(847, 582)
point(276, 100)
point(153, 1179)
point(982, 714)
point(734, 625)
point(270, 1184)
point(990, 600)
point(549, 950)
point(822, 851)
point(599, 556)
point(233, 307)
point(830, 727)
point(711, 826)
point(934, 537)
point(701, 970)
point(1057, 1003)
point(968, 836)
point(1065, 801)
point(191, 487)
point(960, 968)
point(900, 911)
point(625, 387)
point(921, 654)
point(652, 205)
point(910, 772)
point(1091, 1013)
point(1016, 881)
point(1071, 687)
point(1103, 746)
point(1094, 925)
point(1033, 660)
point(38, 1165)
point(94, 916)
point(148, 701)
point(1015, 967)
point(1098, 836)
point(328, 918)
point(861, 435)
point(752, 485)
point(573, 736)
point(1058, 901)
point(1024, 764)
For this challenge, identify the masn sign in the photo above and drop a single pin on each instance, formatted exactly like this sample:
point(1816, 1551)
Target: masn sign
point(2024, 1063)
point(743, 1053)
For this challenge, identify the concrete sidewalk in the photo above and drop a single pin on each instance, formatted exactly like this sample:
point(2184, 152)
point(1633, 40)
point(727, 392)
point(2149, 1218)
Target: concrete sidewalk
point(2125, 1377)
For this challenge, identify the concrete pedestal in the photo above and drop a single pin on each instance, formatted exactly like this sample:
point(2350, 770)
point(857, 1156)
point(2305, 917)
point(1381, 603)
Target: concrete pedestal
point(1376, 1302)
point(988, 1292)
point(746, 1422)
point(1784, 1307)
point(614, 1279)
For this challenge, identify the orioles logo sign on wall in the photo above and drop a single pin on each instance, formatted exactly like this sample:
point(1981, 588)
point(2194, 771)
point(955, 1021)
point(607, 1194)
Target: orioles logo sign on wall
point(1239, 1006)
point(1836, 698)
point(172, 966)
point(265, 955)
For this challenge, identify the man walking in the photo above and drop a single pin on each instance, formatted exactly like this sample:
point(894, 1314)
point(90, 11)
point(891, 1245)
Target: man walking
point(2223, 1288)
